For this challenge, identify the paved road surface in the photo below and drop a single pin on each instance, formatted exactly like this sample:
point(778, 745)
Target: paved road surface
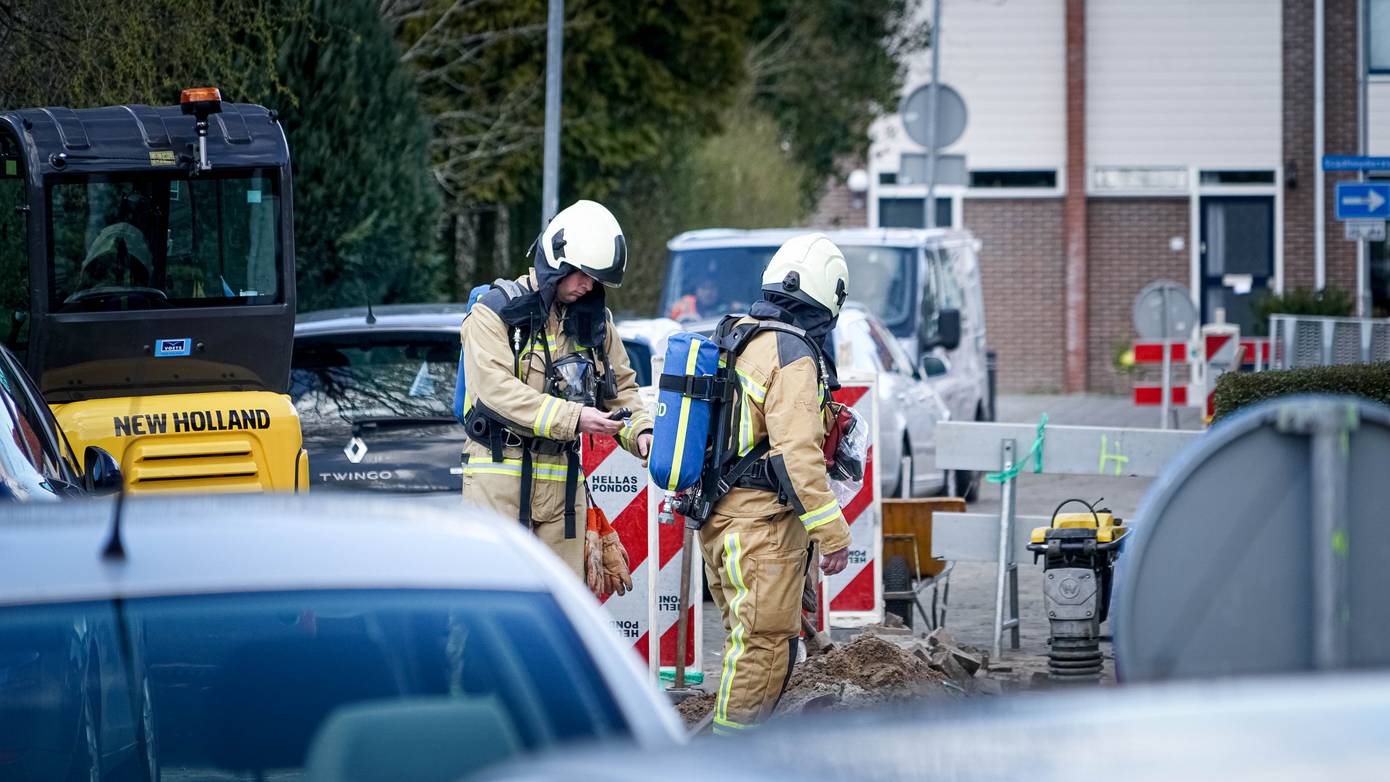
point(970, 617)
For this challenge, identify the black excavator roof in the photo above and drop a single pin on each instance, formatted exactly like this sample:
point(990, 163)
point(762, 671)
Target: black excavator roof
point(137, 137)
point(106, 347)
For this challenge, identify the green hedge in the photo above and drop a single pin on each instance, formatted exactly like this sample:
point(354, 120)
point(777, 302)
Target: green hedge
point(1239, 389)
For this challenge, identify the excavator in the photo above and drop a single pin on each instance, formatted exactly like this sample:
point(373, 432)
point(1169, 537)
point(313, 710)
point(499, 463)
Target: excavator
point(147, 284)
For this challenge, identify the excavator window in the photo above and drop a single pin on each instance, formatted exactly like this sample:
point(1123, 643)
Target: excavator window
point(152, 242)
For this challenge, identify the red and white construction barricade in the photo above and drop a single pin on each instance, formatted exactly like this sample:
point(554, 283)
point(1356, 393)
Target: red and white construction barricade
point(621, 487)
point(1167, 394)
point(1221, 353)
point(1218, 349)
point(855, 595)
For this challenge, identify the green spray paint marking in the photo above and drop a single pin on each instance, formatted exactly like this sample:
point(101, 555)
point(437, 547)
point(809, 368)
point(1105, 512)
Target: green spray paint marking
point(1118, 458)
point(1340, 545)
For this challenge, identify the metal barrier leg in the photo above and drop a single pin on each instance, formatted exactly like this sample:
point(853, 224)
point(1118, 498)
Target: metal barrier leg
point(945, 599)
point(1006, 523)
point(1014, 630)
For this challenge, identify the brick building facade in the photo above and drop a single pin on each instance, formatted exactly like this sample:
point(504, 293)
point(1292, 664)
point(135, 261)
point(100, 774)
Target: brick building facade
point(1120, 142)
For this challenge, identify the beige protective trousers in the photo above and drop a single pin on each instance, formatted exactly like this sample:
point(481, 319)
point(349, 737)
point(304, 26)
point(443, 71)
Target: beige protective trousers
point(755, 569)
point(497, 485)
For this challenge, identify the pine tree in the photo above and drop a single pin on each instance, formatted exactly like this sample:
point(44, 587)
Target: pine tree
point(365, 204)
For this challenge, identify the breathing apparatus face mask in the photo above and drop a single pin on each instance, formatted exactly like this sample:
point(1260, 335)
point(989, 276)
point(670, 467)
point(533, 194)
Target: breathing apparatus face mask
point(847, 451)
point(575, 379)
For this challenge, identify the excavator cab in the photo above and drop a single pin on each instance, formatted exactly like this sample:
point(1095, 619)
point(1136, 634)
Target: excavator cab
point(147, 282)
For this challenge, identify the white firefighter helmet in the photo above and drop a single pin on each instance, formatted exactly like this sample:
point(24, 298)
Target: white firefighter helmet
point(810, 268)
point(586, 236)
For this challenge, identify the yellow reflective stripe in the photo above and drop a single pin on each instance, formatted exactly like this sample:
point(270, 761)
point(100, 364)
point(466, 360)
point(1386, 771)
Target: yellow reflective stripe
point(491, 469)
point(820, 516)
point(810, 525)
point(545, 471)
point(545, 416)
point(733, 550)
point(751, 387)
point(690, 357)
point(729, 727)
point(745, 428)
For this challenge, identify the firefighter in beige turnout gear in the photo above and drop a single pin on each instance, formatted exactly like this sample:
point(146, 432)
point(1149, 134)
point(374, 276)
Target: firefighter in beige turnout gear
point(756, 538)
point(544, 366)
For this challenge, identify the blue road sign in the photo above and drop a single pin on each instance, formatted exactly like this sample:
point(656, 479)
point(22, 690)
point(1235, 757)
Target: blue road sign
point(1355, 163)
point(1363, 201)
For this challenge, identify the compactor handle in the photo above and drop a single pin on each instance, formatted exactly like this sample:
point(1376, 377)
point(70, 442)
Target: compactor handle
point(1053, 521)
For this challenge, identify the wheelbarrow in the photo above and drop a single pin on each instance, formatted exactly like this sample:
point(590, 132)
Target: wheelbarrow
point(908, 564)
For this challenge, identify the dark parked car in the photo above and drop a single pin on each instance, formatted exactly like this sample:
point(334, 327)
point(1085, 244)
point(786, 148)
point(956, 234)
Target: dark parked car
point(375, 394)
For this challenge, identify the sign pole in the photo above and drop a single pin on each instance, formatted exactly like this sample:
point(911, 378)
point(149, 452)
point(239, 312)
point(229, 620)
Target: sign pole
point(554, 60)
point(929, 204)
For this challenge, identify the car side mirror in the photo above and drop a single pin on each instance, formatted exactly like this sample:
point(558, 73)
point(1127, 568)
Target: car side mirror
point(101, 472)
point(934, 366)
point(948, 329)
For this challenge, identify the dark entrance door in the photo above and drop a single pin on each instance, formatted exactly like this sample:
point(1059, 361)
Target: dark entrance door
point(1237, 256)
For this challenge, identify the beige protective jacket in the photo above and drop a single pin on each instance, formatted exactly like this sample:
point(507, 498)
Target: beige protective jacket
point(784, 401)
point(514, 387)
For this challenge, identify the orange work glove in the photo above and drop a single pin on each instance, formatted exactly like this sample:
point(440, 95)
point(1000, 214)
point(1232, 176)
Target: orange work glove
point(606, 568)
point(593, 550)
point(617, 573)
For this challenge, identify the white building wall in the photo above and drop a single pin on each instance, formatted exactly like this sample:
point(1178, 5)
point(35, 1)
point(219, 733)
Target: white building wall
point(1184, 83)
point(1378, 116)
point(1008, 61)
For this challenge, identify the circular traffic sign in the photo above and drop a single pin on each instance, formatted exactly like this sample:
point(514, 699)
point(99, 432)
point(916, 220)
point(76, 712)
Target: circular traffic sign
point(950, 115)
point(1164, 310)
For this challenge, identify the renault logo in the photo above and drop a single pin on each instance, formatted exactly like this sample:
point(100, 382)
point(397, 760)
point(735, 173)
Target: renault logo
point(355, 450)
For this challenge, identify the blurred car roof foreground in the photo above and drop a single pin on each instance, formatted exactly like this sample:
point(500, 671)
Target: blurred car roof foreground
point(202, 545)
point(1294, 728)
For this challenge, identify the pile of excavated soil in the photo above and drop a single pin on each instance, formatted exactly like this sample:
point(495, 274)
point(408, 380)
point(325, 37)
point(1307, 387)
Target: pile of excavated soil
point(866, 671)
point(863, 672)
point(694, 708)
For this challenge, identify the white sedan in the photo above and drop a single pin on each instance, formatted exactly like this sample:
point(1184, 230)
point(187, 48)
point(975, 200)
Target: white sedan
point(269, 637)
point(909, 408)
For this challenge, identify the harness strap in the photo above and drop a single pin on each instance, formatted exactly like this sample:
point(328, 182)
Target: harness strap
point(571, 493)
point(730, 476)
point(524, 505)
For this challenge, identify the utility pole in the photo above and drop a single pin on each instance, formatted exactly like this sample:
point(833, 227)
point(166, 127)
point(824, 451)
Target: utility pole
point(929, 205)
point(554, 61)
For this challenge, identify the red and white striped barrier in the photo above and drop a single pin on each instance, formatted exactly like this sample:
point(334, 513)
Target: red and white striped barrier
point(855, 595)
point(1166, 394)
point(1255, 353)
point(1221, 353)
point(621, 488)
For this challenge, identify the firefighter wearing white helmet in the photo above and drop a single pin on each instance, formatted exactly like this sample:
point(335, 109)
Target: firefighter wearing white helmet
point(543, 365)
point(757, 537)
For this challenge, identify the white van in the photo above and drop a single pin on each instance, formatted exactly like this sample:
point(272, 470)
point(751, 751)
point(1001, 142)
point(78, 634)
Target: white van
point(923, 284)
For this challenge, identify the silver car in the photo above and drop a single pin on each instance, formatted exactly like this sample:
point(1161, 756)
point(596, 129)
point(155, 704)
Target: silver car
point(908, 407)
point(269, 637)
